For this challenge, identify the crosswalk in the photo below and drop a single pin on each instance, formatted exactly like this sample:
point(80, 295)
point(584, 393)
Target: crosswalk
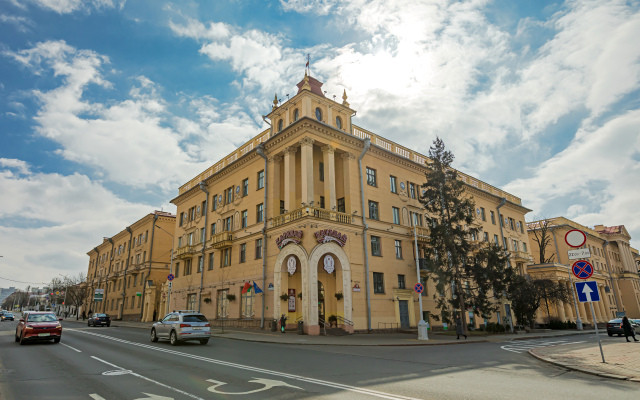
point(521, 346)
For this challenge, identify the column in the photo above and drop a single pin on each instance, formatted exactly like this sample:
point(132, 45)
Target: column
point(560, 309)
point(329, 176)
point(350, 179)
point(290, 179)
point(607, 303)
point(583, 313)
point(596, 309)
point(306, 167)
point(274, 185)
point(568, 311)
point(603, 310)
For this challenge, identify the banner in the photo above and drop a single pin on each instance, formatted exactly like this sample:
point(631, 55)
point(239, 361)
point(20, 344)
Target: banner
point(98, 295)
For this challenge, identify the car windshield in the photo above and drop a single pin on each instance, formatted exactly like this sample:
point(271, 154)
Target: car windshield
point(195, 318)
point(8, 314)
point(615, 321)
point(100, 315)
point(42, 318)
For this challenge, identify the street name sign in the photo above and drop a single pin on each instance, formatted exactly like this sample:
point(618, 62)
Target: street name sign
point(587, 291)
point(579, 254)
point(575, 238)
point(582, 269)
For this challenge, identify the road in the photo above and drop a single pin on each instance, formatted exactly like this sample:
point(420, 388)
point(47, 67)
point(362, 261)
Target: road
point(121, 363)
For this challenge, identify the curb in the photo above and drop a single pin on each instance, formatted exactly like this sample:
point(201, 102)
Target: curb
point(349, 345)
point(554, 336)
point(584, 370)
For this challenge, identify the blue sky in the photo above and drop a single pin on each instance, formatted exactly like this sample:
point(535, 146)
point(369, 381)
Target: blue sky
point(108, 106)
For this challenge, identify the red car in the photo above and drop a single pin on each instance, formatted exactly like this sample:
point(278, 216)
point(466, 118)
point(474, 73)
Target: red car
point(39, 326)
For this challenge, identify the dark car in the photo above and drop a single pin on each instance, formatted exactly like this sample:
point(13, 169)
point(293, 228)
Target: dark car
point(614, 327)
point(6, 316)
point(39, 326)
point(99, 319)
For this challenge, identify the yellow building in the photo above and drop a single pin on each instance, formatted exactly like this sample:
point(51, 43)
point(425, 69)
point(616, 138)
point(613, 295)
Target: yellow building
point(614, 268)
point(319, 214)
point(130, 268)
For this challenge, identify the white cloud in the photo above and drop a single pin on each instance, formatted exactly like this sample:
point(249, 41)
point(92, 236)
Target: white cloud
point(197, 30)
point(13, 163)
point(69, 6)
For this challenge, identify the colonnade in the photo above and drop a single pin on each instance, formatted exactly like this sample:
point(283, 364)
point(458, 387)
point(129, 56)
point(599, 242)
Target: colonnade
point(567, 311)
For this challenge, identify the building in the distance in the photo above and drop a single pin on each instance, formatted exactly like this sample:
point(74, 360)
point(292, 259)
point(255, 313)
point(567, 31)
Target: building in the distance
point(320, 215)
point(127, 270)
point(6, 292)
point(614, 268)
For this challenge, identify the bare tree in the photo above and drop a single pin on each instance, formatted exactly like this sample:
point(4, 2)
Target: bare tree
point(541, 230)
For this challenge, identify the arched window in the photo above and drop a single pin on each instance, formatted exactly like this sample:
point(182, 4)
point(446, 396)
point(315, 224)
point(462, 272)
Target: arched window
point(280, 123)
point(296, 114)
point(318, 114)
point(338, 122)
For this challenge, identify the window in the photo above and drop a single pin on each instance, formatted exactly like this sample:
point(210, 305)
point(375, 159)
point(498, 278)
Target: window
point(338, 122)
point(135, 280)
point(211, 261)
point(493, 217)
point(230, 195)
point(396, 215)
point(203, 208)
point(213, 229)
point(228, 224)
point(245, 187)
point(200, 264)
point(482, 214)
point(486, 237)
point(189, 238)
point(505, 243)
point(423, 280)
point(187, 267)
point(401, 284)
point(176, 274)
point(202, 235)
point(259, 212)
point(341, 207)
point(495, 239)
point(244, 219)
point(258, 248)
point(282, 209)
point(223, 303)
point(321, 172)
point(214, 203)
point(318, 114)
point(512, 224)
point(246, 304)
point(296, 114)
point(129, 282)
point(144, 256)
point(375, 246)
point(191, 301)
point(515, 245)
point(371, 177)
point(378, 282)
point(394, 184)
point(280, 124)
point(261, 179)
point(398, 249)
point(416, 219)
point(243, 252)
point(524, 247)
point(226, 257)
point(521, 227)
point(373, 210)
point(321, 201)
point(412, 190)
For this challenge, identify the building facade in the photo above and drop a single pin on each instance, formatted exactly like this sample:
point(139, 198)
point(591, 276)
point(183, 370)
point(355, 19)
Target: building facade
point(322, 216)
point(129, 268)
point(614, 269)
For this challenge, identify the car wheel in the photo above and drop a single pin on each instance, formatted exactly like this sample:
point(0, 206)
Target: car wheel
point(88, 323)
point(154, 337)
point(173, 339)
point(108, 325)
point(610, 334)
point(56, 340)
point(204, 341)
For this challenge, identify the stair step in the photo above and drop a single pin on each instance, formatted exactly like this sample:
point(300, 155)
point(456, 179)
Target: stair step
point(336, 332)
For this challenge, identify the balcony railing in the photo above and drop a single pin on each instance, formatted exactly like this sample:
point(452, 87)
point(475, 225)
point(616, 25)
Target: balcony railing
point(312, 212)
point(521, 256)
point(222, 240)
point(423, 233)
point(186, 251)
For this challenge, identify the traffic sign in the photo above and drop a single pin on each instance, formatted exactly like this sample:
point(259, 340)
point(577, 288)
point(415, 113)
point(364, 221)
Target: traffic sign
point(170, 277)
point(575, 238)
point(582, 269)
point(579, 254)
point(418, 288)
point(587, 291)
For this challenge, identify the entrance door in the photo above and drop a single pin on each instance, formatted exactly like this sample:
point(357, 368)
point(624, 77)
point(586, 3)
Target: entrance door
point(404, 314)
point(321, 301)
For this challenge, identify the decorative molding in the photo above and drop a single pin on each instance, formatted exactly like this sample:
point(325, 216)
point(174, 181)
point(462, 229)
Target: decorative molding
point(290, 150)
point(348, 156)
point(307, 141)
point(328, 149)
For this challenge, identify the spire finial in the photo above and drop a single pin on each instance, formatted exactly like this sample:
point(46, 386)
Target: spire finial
point(275, 102)
point(344, 98)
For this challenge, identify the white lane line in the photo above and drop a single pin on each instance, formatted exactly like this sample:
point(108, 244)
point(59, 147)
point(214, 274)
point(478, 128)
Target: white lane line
point(72, 348)
point(259, 370)
point(193, 396)
point(96, 397)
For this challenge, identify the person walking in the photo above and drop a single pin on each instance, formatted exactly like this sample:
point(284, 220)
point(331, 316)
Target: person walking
point(459, 329)
point(84, 315)
point(628, 330)
point(283, 322)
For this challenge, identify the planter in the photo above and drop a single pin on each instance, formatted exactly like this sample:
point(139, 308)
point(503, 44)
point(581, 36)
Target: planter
point(231, 297)
point(207, 300)
point(339, 296)
point(300, 295)
point(284, 297)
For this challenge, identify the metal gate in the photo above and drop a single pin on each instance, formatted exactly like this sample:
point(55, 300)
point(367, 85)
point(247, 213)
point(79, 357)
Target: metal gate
point(404, 314)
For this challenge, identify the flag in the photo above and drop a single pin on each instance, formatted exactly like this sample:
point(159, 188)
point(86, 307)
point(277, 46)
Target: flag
point(308, 59)
point(246, 288)
point(256, 289)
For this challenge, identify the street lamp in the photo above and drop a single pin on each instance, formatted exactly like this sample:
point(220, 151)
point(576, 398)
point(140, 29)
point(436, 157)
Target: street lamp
point(170, 267)
point(66, 285)
point(423, 333)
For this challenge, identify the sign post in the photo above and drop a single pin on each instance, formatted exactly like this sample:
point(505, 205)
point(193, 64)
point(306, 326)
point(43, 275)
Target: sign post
point(575, 238)
point(588, 292)
point(423, 327)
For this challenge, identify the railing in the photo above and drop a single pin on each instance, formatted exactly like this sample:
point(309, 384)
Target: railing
point(314, 212)
point(324, 325)
point(423, 233)
point(521, 254)
point(221, 240)
point(389, 327)
point(185, 250)
point(344, 321)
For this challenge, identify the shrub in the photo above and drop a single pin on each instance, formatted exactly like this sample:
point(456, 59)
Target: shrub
point(493, 327)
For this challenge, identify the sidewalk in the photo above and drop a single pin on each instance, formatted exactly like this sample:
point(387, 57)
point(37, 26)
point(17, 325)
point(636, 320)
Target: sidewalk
point(373, 339)
point(622, 358)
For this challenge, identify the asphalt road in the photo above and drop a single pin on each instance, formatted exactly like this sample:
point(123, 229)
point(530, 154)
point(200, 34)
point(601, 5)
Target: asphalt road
point(121, 363)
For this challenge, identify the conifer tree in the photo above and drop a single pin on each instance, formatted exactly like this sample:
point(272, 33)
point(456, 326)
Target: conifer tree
point(468, 274)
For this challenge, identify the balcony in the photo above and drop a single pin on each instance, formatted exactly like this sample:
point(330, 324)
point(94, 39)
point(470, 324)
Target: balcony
point(186, 251)
point(521, 256)
point(423, 233)
point(312, 212)
point(222, 240)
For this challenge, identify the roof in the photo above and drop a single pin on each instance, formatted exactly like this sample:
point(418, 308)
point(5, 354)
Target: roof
point(316, 85)
point(610, 230)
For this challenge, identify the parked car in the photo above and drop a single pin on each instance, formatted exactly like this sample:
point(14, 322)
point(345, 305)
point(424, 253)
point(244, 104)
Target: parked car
point(6, 316)
point(180, 326)
point(99, 319)
point(38, 326)
point(614, 327)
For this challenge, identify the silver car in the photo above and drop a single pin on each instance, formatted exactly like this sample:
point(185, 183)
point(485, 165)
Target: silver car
point(181, 326)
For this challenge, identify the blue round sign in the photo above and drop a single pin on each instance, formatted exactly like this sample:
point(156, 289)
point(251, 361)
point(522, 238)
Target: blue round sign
point(418, 288)
point(582, 269)
point(170, 277)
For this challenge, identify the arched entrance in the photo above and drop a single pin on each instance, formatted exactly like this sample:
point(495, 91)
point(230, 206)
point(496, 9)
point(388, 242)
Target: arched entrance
point(284, 282)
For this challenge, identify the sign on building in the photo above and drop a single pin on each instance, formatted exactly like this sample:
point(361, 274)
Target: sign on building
point(289, 237)
point(98, 295)
point(328, 235)
point(292, 300)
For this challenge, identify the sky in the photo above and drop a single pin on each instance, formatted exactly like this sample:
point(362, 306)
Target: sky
point(108, 106)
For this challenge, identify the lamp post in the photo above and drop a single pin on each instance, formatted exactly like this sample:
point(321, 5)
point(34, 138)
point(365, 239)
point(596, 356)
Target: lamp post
point(423, 333)
point(171, 267)
point(66, 285)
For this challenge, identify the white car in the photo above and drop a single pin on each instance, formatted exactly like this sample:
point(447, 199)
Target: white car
point(181, 326)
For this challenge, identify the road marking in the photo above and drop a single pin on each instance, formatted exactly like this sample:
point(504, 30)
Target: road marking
point(193, 396)
point(526, 345)
point(72, 348)
point(259, 370)
point(268, 384)
point(96, 397)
